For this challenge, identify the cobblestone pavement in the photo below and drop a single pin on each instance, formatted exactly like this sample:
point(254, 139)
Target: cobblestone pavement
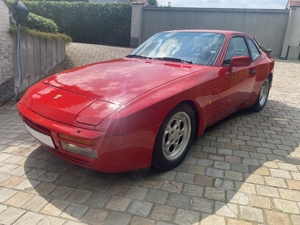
point(78, 54)
point(243, 170)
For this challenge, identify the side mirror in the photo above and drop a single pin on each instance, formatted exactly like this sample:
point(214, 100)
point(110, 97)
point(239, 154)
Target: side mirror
point(21, 15)
point(239, 61)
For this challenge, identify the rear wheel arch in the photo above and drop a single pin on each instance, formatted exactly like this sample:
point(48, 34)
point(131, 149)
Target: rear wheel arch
point(271, 78)
point(263, 95)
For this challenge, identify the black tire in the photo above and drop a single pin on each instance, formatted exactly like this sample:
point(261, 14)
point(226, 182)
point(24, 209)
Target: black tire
point(174, 138)
point(262, 97)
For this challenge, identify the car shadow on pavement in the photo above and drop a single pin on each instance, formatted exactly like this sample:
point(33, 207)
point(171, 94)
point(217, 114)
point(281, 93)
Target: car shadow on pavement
point(239, 168)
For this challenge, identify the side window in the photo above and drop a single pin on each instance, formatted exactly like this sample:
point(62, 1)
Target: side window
point(253, 49)
point(237, 47)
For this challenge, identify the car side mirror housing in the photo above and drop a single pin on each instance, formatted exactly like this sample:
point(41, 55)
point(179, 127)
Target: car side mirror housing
point(239, 61)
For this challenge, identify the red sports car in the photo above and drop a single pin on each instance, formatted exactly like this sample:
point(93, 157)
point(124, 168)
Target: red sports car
point(146, 108)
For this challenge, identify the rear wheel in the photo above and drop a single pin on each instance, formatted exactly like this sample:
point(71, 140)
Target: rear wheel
point(174, 138)
point(263, 96)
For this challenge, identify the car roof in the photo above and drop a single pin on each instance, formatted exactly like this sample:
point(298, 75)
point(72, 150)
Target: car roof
point(225, 32)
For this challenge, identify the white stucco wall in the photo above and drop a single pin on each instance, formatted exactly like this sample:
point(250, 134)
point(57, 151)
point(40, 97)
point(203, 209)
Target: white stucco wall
point(5, 45)
point(295, 32)
point(292, 35)
point(136, 19)
point(136, 22)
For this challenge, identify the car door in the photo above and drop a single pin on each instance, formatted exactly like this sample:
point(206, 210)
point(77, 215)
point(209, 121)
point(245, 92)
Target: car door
point(258, 65)
point(235, 86)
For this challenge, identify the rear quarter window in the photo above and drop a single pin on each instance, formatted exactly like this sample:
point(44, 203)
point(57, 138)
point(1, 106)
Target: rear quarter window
point(255, 54)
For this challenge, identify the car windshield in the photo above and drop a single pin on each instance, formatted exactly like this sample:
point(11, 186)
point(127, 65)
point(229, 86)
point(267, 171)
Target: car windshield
point(186, 47)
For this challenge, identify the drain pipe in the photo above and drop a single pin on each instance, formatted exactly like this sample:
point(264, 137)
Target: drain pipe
point(19, 14)
point(17, 88)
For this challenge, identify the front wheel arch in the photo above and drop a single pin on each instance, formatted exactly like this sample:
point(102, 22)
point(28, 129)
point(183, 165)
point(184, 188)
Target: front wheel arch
point(179, 120)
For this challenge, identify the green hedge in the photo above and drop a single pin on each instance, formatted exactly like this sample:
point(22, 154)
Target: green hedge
point(40, 23)
point(107, 24)
point(59, 0)
point(40, 34)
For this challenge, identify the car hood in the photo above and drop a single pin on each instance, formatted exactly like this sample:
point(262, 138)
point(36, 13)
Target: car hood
point(119, 81)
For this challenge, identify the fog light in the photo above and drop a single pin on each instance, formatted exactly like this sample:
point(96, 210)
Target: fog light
point(88, 152)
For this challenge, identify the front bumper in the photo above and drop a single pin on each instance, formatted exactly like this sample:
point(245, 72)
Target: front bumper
point(115, 153)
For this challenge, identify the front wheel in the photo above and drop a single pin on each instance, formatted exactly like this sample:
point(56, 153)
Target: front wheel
point(262, 97)
point(174, 138)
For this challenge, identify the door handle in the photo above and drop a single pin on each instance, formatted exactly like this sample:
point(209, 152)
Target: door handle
point(252, 71)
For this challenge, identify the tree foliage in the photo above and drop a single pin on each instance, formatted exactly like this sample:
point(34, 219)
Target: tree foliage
point(152, 2)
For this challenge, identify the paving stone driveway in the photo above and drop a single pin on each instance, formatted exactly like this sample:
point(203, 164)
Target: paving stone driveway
point(243, 170)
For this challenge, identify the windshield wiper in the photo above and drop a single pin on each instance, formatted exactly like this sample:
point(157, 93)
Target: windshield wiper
point(138, 56)
point(174, 59)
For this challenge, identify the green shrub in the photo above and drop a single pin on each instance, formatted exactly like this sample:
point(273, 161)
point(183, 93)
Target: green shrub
point(59, 0)
point(40, 23)
point(43, 35)
point(107, 24)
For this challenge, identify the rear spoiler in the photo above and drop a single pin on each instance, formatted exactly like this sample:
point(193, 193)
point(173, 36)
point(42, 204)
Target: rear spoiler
point(263, 48)
point(266, 50)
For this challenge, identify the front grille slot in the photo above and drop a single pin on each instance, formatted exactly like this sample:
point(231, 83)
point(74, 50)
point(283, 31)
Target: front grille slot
point(37, 127)
point(72, 159)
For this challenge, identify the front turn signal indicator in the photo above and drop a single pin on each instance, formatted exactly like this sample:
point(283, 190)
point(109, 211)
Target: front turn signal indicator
point(77, 140)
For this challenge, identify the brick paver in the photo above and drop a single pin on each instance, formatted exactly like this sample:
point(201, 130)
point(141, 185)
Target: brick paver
point(243, 170)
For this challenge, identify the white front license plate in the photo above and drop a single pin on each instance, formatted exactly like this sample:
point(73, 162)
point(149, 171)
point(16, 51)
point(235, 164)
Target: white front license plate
point(45, 139)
